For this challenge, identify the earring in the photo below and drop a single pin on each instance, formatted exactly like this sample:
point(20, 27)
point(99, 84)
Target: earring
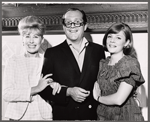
point(128, 46)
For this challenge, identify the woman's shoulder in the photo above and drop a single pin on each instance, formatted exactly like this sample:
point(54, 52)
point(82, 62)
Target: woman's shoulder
point(128, 62)
point(129, 65)
point(103, 64)
point(105, 61)
point(125, 62)
point(15, 57)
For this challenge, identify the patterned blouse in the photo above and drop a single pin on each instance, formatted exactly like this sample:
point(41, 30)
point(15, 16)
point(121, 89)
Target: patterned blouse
point(21, 74)
point(109, 78)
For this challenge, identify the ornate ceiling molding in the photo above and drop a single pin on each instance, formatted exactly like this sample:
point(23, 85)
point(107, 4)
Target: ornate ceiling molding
point(97, 21)
point(137, 20)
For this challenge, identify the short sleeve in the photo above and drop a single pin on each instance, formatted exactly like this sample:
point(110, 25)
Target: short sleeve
point(130, 72)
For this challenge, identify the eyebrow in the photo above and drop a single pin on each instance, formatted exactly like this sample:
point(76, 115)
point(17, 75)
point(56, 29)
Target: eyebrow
point(33, 35)
point(74, 19)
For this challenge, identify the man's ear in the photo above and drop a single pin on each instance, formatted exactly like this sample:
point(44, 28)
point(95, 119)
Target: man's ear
point(85, 26)
point(63, 27)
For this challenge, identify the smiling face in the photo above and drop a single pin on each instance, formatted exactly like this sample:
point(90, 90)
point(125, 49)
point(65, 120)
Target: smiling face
point(116, 42)
point(74, 33)
point(32, 41)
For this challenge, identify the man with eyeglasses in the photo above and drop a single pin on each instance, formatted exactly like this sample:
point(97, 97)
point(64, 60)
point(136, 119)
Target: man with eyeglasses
point(74, 64)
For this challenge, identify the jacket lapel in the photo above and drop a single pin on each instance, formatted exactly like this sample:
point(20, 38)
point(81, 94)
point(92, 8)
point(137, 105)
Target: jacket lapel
point(70, 56)
point(87, 61)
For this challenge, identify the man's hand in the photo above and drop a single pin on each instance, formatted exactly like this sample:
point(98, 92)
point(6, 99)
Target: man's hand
point(78, 94)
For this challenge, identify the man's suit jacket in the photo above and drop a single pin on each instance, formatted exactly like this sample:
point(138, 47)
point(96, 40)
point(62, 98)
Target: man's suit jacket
point(61, 62)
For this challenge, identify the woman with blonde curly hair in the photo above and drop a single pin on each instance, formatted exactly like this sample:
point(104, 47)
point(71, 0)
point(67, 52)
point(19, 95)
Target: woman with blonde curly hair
point(23, 80)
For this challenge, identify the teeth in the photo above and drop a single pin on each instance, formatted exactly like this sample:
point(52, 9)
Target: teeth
point(112, 46)
point(31, 46)
point(73, 31)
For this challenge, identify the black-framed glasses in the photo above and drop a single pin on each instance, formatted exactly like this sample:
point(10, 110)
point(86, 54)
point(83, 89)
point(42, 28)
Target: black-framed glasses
point(75, 24)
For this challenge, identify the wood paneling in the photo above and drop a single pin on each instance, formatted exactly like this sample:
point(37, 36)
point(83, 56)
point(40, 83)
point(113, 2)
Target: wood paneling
point(100, 16)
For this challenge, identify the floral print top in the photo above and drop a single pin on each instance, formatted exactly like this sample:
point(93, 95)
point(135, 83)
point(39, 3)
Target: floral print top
point(109, 78)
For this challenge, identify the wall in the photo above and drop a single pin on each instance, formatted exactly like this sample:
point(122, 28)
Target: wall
point(13, 45)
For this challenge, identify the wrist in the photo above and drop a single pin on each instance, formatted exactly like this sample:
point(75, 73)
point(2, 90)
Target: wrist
point(98, 98)
point(68, 92)
point(35, 90)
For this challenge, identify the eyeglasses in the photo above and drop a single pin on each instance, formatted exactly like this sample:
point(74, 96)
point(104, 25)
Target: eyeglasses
point(75, 24)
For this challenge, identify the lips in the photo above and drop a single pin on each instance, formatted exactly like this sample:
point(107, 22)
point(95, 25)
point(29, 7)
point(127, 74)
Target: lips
point(31, 46)
point(73, 31)
point(112, 46)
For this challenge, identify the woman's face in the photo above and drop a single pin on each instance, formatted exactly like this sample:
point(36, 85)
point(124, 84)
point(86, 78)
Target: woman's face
point(116, 42)
point(32, 42)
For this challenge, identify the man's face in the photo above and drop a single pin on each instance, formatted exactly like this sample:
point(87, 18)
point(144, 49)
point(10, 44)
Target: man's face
point(74, 32)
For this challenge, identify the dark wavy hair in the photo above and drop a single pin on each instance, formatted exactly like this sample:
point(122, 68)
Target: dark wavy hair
point(116, 28)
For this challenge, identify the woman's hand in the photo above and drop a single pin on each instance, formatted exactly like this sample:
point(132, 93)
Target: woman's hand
point(96, 91)
point(42, 84)
point(56, 87)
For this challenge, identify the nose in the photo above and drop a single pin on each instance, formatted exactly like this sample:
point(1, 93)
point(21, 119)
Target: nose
point(112, 40)
point(31, 40)
point(72, 25)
